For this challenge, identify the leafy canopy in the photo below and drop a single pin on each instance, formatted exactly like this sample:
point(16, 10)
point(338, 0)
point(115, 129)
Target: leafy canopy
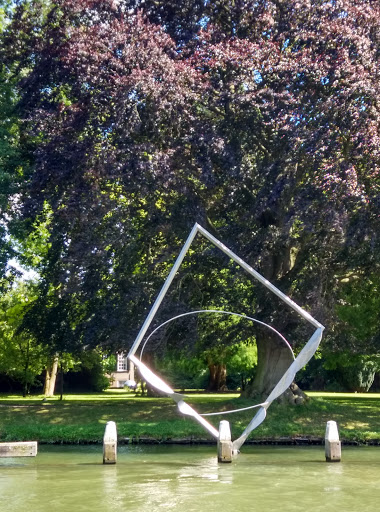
point(258, 119)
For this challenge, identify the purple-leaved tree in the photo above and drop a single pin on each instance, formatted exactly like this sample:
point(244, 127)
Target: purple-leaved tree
point(258, 119)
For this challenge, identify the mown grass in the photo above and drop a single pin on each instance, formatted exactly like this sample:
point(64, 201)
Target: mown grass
point(81, 418)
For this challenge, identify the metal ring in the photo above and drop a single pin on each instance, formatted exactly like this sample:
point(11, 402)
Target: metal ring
point(223, 313)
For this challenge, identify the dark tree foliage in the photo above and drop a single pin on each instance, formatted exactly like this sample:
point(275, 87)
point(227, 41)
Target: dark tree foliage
point(9, 156)
point(258, 119)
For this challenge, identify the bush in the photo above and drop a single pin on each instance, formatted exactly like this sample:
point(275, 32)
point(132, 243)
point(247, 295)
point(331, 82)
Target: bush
point(339, 372)
point(360, 376)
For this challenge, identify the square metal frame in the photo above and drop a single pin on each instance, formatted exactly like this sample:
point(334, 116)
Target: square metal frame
point(303, 357)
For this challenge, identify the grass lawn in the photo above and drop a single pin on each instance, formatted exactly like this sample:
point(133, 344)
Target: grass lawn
point(81, 418)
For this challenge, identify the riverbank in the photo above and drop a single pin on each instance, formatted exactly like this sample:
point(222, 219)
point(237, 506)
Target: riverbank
point(81, 418)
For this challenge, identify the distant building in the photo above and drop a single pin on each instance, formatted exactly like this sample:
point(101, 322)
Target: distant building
point(125, 371)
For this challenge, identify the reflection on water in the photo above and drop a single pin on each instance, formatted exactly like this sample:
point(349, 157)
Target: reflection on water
point(187, 478)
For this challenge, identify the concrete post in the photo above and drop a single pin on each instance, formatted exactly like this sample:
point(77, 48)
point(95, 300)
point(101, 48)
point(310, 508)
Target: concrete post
point(110, 443)
point(333, 449)
point(224, 442)
point(20, 449)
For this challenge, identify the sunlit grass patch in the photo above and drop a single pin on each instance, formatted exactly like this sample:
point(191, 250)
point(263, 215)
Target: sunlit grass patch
point(343, 396)
point(355, 425)
point(81, 418)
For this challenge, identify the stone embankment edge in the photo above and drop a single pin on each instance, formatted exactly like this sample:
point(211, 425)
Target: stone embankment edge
point(281, 441)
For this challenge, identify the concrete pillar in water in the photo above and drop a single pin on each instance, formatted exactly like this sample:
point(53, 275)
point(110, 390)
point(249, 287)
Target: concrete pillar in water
point(19, 449)
point(333, 449)
point(224, 442)
point(110, 443)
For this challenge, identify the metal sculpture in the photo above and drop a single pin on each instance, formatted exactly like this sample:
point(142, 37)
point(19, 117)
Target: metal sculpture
point(299, 362)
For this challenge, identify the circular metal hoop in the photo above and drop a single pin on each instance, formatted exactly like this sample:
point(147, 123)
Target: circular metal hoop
point(222, 313)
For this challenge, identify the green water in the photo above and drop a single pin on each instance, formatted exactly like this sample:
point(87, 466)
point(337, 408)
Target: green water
point(188, 478)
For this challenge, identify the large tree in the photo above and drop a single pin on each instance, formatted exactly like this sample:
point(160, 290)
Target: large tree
point(258, 119)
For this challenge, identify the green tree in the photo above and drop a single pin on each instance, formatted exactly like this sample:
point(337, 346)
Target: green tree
point(358, 310)
point(260, 120)
point(242, 366)
point(21, 357)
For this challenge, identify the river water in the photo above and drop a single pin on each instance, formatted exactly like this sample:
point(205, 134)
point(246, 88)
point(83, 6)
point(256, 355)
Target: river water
point(188, 478)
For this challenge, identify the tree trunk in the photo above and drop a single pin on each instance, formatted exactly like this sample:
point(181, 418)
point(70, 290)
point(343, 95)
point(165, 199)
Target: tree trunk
point(50, 377)
point(47, 381)
point(61, 383)
point(217, 377)
point(26, 383)
point(150, 391)
point(273, 359)
point(25, 390)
